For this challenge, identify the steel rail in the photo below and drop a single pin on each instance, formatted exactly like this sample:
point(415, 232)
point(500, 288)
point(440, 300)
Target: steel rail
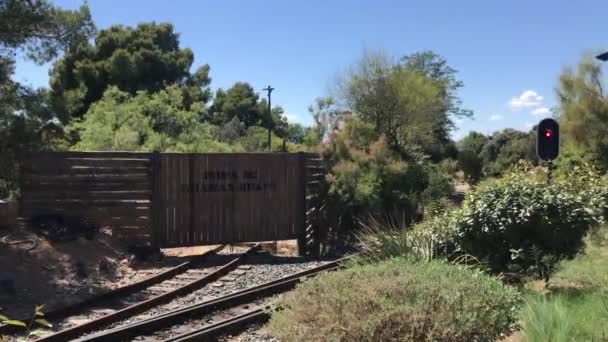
point(78, 330)
point(231, 325)
point(72, 309)
point(168, 319)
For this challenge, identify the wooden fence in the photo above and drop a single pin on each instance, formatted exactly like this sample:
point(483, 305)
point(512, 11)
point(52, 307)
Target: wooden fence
point(109, 188)
point(173, 199)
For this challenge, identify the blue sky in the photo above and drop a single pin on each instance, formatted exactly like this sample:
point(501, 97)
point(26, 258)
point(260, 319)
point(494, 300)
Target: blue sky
point(508, 53)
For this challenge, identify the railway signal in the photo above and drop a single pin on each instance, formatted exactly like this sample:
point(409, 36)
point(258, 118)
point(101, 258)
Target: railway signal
point(547, 140)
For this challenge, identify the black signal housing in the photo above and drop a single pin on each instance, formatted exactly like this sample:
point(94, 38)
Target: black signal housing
point(547, 139)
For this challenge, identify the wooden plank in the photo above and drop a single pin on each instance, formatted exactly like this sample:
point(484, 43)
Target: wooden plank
point(78, 203)
point(32, 163)
point(300, 199)
point(91, 154)
point(160, 229)
point(107, 213)
point(63, 168)
point(91, 186)
point(137, 177)
point(88, 195)
point(156, 205)
point(191, 196)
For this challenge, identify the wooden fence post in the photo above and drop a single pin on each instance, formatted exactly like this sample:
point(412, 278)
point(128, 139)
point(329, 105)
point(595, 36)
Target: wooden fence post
point(156, 205)
point(191, 188)
point(301, 204)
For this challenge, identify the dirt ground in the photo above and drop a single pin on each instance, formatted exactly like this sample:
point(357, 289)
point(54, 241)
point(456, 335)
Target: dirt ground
point(57, 274)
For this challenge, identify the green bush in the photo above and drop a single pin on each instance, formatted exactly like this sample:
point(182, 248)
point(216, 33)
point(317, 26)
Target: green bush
point(449, 167)
point(367, 177)
point(439, 186)
point(397, 300)
point(519, 225)
point(471, 165)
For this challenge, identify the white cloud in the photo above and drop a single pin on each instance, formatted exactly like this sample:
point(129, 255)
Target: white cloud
point(528, 98)
point(495, 117)
point(541, 111)
point(529, 125)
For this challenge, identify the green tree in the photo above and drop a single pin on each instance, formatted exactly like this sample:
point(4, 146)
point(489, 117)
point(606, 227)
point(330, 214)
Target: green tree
point(144, 122)
point(471, 165)
point(41, 31)
point(473, 142)
point(410, 102)
point(240, 101)
point(505, 148)
point(469, 150)
point(295, 133)
point(436, 68)
point(311, 138)
point(583, 110)
point(147, 57)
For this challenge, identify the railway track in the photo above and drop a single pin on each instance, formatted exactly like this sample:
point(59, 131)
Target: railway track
point(134, 299)
point(143, 289)
point(209, 295)
point(207, 320)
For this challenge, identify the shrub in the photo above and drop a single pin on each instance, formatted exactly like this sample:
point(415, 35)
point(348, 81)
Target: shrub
point(439, 186)
point(518, 224)
point(449, 167)
point(397, 299)
point(366, 176)
point(471, 164)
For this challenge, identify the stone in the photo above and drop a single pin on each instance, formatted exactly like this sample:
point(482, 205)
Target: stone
point(132, 260)
point(107, 266)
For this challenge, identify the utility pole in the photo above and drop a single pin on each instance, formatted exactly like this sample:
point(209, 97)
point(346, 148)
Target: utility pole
point(269, 89)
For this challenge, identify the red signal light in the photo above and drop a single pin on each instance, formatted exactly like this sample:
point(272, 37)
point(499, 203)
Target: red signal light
point(548, 134)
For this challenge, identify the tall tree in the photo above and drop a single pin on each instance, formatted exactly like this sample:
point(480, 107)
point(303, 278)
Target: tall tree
point(583, 110)
point(41, 31)
point(147, 57)
point(240, 101)
point(436, 68)
point(474, 142)
point(407, 103)
point(505, 148)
